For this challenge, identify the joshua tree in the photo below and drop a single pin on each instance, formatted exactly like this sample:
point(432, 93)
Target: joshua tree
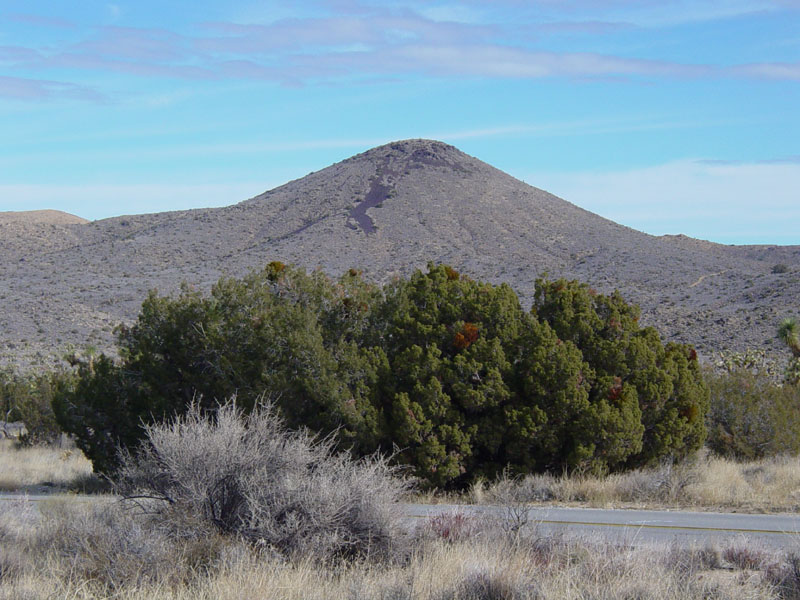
point(789, 334)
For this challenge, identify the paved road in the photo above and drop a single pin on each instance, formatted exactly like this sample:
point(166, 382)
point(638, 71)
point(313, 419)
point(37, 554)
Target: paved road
point(638, 527)
point(646, 527)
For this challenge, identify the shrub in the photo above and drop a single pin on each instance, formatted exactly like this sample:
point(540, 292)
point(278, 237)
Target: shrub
point(245, 474)
point(752, 359)
point(449, 371)
point(27, 397)
point(452, 527)
point(745, 557)
point(110, 547)
point(751, 416)
point(278, 329)
point(646, 400)
point(103, 410)
point(780, 268)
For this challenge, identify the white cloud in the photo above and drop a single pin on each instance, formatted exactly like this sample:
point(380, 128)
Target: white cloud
point(779, 71)
point(454, 13)
point(723, 202)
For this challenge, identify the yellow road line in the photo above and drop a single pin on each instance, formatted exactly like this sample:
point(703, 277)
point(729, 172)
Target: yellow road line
point(653, 526)
point(670, 527)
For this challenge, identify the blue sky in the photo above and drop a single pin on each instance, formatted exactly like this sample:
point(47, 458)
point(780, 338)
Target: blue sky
point(669, 116)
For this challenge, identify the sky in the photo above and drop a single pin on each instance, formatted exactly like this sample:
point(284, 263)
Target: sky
point(668, 116)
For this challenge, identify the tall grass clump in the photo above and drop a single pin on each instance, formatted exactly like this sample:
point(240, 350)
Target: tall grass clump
point(50, 466)
point(708, 481)
point(247, 476)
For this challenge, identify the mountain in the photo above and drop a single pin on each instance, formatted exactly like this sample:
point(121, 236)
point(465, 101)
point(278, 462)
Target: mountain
point(387, 211)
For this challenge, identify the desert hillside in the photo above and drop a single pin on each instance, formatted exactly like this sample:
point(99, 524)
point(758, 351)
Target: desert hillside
point(65, 281)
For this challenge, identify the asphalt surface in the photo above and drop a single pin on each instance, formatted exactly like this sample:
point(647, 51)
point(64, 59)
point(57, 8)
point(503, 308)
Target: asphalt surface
point(635, 527)
point(642, 527)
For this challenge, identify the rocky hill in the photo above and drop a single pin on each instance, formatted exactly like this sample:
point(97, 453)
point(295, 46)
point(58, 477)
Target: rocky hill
point(387, 211)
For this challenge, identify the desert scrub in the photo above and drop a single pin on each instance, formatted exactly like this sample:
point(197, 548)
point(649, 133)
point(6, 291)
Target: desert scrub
point(82, 552)
point(247, 476)
point(29, 467)
point(751, 415)
point(707, 482)
point(203, 491)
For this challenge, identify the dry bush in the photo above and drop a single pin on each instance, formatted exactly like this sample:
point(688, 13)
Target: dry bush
point(248, 475)
point(105, 545)
point(665, 484)
point(17, 519)
point(744, 556)
point(100, 547)
point(454, 526)
point(486, 567)
point(766, 484)
point(784, 576)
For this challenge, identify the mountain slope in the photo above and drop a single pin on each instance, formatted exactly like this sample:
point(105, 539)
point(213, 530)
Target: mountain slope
point(387, 211)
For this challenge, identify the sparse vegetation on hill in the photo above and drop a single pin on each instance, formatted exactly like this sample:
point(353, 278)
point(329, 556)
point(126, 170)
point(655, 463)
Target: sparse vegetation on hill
point(451, 371)
point(65, 282)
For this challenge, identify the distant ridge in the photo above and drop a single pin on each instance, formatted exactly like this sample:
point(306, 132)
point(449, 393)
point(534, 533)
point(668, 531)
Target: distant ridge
point(47, 217)
point(387, 211)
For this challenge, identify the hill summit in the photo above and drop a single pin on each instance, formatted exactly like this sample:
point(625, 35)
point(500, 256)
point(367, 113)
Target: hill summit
point(387, 211)
point(47, 217)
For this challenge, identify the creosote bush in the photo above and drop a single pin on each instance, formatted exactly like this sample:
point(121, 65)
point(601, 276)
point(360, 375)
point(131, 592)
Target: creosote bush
point(247, 475)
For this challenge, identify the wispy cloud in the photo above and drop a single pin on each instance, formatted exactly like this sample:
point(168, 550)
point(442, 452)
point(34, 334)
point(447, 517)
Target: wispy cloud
point(136, 44)
point(781, 160)
point(572, 128)
point(40, 21)
point(499, 61)
point(18, 88)
point(356, 42)
point(778, 71)
point(642, 13)
point(14, 55)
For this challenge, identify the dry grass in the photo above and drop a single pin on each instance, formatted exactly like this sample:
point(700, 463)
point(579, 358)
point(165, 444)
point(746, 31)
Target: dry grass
point(710, 483)
point(28, 468)
point(707, 483)
point(84, 552)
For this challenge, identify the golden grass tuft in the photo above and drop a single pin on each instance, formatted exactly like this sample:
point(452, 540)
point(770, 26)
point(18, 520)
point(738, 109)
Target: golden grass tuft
point(708, 483)
point(29, 467)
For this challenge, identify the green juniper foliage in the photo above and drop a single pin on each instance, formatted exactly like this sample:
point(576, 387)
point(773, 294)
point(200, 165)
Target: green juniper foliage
point(752, 416)
point(27, 397)
point(449, 374)
point(648, 396)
